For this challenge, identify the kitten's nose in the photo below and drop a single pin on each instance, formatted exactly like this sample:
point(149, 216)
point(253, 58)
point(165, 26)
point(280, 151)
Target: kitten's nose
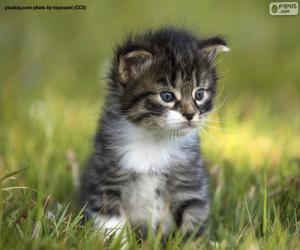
point(189, 116)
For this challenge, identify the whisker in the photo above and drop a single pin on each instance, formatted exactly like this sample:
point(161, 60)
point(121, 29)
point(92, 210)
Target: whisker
point(206, 133)
point(225, 118)
point(213, 127)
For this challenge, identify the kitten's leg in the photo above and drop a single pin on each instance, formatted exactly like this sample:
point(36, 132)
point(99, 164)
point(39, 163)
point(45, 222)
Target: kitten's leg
point(106, 213)
point(101, 194)
point(190, 199)
point(191, 215)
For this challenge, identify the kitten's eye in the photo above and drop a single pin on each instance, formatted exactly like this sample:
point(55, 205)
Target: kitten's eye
point(167, 96)
point(199, 94)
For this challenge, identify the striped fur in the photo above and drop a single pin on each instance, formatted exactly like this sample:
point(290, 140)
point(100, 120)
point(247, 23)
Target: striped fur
point(146, 163)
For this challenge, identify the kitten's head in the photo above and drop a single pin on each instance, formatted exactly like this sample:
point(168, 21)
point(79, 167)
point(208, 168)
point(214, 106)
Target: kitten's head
point(167, 79)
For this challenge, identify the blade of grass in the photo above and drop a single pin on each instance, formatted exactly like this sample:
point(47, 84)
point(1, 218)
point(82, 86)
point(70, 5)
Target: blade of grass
point(12, 174)
point(265, 204)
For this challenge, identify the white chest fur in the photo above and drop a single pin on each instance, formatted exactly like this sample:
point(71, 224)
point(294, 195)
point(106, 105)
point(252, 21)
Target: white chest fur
point(146, 201)
point(142, 152)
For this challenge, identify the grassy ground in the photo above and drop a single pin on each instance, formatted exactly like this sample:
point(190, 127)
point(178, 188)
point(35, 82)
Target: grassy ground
point(51, 97)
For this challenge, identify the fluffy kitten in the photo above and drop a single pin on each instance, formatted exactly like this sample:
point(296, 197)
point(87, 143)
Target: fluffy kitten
point(146, 164)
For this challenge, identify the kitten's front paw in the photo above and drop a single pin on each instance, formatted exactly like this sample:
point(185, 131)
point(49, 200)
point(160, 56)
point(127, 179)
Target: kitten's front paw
point(192, 230)
point(109, 224)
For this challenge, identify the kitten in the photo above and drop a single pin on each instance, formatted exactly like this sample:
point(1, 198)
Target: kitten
point(146, 164)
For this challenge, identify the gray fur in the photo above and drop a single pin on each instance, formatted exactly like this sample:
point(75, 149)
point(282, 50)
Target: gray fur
point(141, 170)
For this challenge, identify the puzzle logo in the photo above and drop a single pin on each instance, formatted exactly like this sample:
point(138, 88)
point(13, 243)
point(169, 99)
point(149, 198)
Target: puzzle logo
point(283, 8)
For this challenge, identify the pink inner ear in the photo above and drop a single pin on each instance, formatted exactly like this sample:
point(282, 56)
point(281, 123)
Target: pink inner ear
point(131, 64)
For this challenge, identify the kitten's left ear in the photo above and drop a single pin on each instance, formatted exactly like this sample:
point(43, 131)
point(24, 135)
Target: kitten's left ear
point(211, 47)
point(132, 64)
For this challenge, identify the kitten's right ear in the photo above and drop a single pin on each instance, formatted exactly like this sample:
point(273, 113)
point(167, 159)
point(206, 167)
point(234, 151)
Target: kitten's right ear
point(132, 64)
point(211, 47)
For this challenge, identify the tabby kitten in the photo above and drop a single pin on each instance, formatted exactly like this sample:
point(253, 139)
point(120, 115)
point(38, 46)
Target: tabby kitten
point(146, 165)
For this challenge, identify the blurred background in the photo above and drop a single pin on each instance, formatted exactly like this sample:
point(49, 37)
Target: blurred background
point(53, 64)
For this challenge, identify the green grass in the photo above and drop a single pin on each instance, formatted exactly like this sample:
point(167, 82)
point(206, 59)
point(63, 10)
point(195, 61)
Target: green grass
point(51, 95)
point(253, 161)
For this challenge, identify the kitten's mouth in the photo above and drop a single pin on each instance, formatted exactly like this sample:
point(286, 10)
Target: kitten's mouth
point(184, 126)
